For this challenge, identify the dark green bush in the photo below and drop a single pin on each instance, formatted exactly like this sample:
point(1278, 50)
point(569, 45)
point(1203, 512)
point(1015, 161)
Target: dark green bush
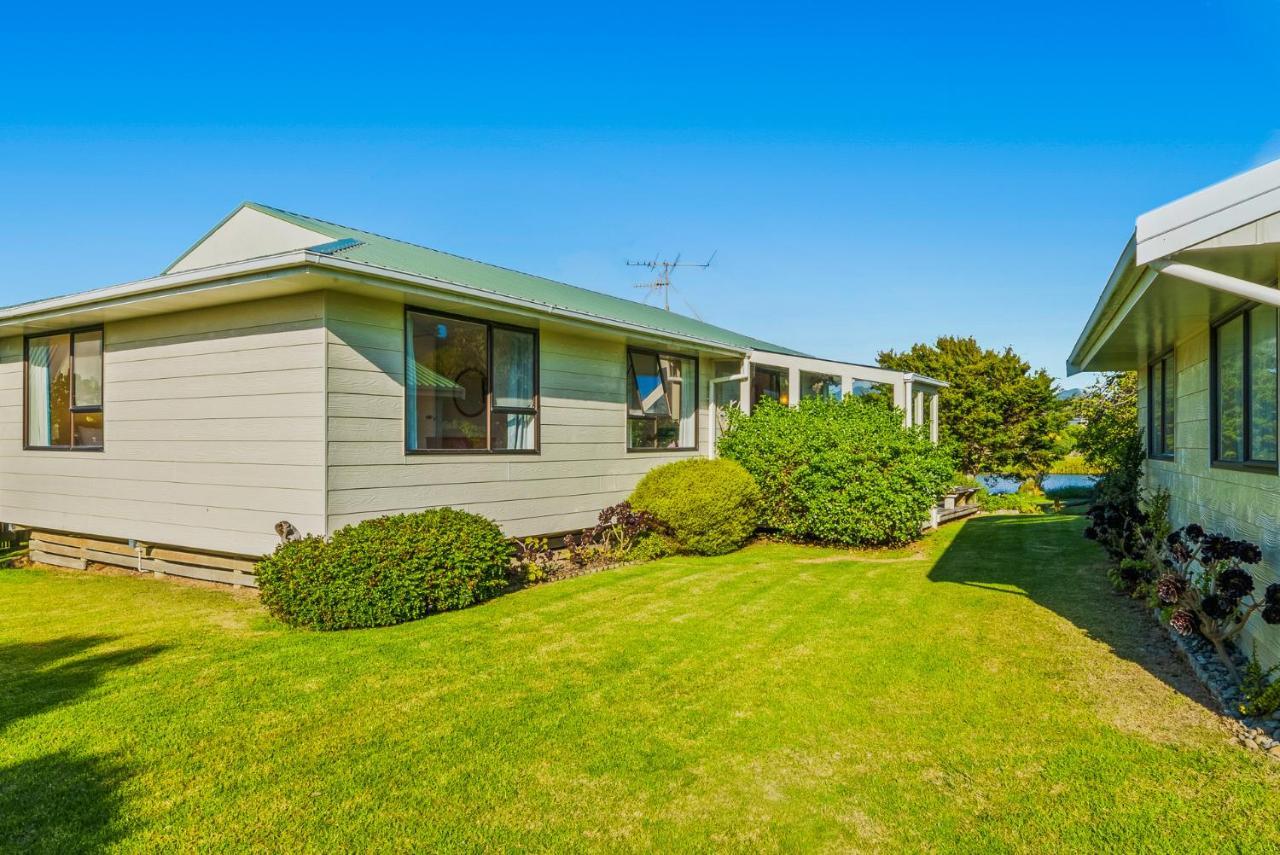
point(386, 571)
point(709, 506)
point(839, 471)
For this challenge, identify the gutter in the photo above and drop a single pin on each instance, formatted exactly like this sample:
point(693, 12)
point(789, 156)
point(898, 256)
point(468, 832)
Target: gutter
point(1220, 282)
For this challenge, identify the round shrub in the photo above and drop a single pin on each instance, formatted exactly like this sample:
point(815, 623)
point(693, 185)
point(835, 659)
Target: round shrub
point(386, 571)
point(709, 506)
point(843, 471)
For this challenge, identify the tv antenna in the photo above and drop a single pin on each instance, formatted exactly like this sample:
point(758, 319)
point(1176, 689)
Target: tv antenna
point(662, 282)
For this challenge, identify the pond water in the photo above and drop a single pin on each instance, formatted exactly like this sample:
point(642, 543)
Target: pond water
point(1005, 484)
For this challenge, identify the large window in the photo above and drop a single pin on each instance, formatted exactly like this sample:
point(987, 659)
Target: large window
point(872, 391)
point(819, 386)
point(662, 401)
point(1243, 377)
point(769, 383)
point(469, 385)
point(63, 399)
point(1162, 393)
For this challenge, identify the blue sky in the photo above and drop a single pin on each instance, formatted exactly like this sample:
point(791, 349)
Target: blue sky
point(870, 176)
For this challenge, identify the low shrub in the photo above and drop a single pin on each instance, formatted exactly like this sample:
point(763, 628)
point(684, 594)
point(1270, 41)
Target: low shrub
point(1261, 696)
point(1080, 493)
point(1023, 503)
point(386, 571)
point(709, 507)
point(621, 533)
point(1073, 463)
point(842, 472)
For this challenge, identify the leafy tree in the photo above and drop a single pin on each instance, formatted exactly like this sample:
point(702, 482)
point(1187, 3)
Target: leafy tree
point(1108, 414)
point(998, 415)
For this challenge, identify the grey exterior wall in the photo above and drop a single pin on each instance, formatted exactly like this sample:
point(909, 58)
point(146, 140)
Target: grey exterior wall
point(1242, 504)
point(584, 464)
point(214, 431)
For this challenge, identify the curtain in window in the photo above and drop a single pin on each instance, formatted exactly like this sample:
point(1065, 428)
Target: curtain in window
point(512, 389)
point(39, 382)
point(683, 397)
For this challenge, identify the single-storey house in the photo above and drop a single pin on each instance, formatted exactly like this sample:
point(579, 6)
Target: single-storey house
point(289, 370)
point(1191, 307)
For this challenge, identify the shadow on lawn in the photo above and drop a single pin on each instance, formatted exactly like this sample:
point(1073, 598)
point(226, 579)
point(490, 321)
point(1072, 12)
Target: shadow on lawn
point(1047, 559)
point(62, 801)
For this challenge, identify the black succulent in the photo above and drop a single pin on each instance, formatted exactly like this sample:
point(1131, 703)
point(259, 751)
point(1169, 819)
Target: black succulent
point(1235, 583)
point(1174, 537)
point(1217, 606)
point(1272, 595)
point(1170, 588)
point(1271, 614)
point(1248, 553)
point(1194, 532)
point(1183, 622)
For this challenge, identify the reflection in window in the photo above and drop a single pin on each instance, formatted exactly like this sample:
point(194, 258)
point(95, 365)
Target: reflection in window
point(662, 400)
point(769, 383)
point(871, 391)
point(1162, 393)
point(1244, 380)
point(450, 405)
point(64, 390)
point(1262, 384)
point(819, 386)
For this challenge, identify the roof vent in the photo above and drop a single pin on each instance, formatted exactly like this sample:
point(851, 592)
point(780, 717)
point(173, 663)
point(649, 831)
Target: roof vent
point(334, 247)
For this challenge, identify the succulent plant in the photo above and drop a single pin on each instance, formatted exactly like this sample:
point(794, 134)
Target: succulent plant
point(1170, 588)
point(1183, 621)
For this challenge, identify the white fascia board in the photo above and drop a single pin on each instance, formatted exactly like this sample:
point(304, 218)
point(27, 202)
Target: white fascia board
point(1122, 276)
point(829, 366)
point(241, 273)
point(222, 276)
point(1208, 213)
point(925, 380)
point(410, 283)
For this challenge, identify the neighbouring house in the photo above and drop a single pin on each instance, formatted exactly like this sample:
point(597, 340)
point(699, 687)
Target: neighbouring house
point(1191, 307)
point(288, 370)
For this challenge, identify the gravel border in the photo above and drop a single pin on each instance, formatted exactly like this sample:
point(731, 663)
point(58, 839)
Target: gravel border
point(1259, 734)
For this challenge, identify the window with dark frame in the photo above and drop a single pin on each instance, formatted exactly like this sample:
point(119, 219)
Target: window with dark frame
point(662, 401)
point(62, 394)
point(773, 383)
point(1243, 418)
point(470, 385)
point(1162, 395)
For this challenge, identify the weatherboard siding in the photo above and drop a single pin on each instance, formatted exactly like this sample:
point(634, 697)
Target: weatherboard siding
point(1241, 504)
point(214, 432)
point(583, 465)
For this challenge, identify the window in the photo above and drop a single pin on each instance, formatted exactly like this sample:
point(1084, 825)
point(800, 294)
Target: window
point(63, 399)
point(819, 386)
point(469, 385)
point(1162, 392)
point(769, 383)
point(662, 401)
point(1243, 377)
point(872, 391)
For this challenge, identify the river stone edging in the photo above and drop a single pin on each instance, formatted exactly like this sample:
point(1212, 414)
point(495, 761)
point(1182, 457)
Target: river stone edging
point(1260, 734)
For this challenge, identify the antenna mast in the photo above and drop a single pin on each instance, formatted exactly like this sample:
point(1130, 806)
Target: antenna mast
point(663, 267)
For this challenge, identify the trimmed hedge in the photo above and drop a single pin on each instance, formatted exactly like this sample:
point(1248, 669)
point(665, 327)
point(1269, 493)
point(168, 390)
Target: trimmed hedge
point(709, 506)
point(386, 571)
point(843, 471)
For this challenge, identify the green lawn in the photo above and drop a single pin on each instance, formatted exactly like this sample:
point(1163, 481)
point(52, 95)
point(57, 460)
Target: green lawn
point(983, 691)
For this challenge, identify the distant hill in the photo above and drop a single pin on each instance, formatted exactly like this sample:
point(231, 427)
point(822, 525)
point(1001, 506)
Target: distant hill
point(1068, 394)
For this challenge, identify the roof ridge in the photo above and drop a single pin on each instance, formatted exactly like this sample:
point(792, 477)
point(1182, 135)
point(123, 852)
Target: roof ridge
point(471, 260)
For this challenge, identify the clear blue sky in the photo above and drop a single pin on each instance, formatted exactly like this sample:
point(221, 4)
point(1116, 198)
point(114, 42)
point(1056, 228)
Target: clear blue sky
point(870, 176)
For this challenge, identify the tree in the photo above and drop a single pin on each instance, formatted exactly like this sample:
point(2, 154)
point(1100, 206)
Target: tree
point(1108, 413)
point(998, 415)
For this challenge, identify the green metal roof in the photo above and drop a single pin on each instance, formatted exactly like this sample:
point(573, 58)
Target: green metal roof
point(420, 261)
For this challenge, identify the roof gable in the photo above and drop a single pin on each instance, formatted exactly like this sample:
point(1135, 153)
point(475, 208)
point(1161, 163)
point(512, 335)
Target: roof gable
point(244, 234)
